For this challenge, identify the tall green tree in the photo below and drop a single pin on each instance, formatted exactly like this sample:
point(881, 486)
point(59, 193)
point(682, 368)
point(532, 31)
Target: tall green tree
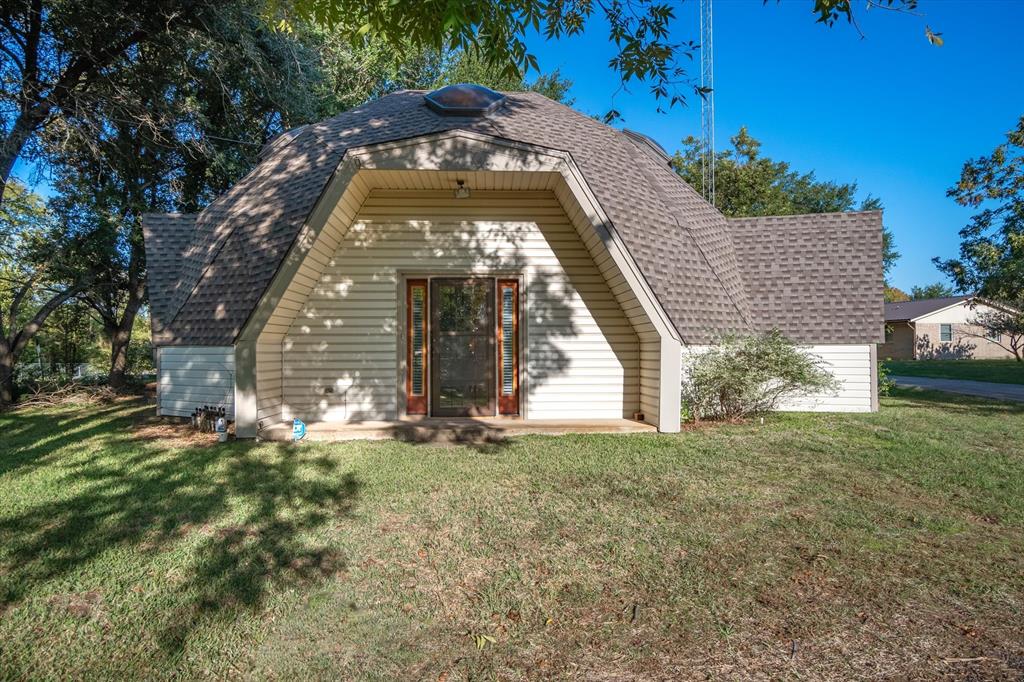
point(56, 54)
point(178, 126)
point(935, 290)
point(497, 31)
point(747, 183)
point(44, 263)
point(991, 262)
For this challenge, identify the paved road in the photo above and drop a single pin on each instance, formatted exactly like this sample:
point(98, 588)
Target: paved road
point(984, 389)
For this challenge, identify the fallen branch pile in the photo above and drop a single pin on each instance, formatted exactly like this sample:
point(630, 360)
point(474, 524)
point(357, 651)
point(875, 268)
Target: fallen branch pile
point(53, 395)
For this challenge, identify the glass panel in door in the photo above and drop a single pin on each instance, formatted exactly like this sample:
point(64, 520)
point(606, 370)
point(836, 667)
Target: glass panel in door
point(462, 357)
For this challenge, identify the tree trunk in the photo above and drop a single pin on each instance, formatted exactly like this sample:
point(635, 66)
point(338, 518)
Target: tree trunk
point(120, 338)
point(6, 378)
point(13, 145)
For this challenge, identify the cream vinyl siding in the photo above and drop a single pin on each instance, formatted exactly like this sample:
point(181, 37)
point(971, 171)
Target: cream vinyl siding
point(341, 353)
point(649, 342)
point(193, 376)
point(269, 403)
point(850, 364)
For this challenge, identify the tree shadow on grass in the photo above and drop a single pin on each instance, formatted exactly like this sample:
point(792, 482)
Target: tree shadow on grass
point(29, 436)
point(248, 516)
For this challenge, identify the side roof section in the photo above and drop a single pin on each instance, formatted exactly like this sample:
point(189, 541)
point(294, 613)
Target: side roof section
point(816, 277)
point(908, 310)
point(167, 237)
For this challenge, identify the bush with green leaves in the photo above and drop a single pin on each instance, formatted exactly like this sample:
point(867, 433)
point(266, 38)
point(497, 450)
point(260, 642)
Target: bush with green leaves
point(748, 375)
point(885, 382)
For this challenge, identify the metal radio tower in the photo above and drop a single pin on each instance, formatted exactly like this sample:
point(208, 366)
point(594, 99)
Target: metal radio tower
point(707, 104)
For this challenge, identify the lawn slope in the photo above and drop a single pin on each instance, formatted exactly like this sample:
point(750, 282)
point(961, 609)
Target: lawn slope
point(821, 546)
point(996, 371)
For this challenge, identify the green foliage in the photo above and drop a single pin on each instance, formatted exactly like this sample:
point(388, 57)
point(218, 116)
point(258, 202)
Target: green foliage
point(468, 67)
point(749, 184)
point(140, 349)
point(991, 261)
point(936, 290)
point(893, 294)
point(885, 383)
point(743, 376)
point(494, 33)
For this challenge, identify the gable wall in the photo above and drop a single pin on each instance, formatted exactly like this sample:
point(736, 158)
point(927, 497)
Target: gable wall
point(582, 355)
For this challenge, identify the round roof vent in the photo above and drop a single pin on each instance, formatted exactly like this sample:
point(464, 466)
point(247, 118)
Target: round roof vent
point(464, 99)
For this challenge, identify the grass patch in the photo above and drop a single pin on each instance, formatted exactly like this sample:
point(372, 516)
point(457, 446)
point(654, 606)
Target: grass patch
point(826, 546)
point(996, 371)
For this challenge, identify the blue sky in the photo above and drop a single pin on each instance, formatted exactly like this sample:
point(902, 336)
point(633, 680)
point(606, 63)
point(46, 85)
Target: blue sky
point(888, 111)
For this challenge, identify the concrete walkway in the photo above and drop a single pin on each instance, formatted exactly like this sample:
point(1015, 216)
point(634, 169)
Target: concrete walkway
point(454, 429)
point(983, 389)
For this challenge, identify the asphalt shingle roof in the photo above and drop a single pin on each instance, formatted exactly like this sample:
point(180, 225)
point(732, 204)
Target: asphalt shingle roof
point(684, 247)
point(908, 310)
point(816, 277)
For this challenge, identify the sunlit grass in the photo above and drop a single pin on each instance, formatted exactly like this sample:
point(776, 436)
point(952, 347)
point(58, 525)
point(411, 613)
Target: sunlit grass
point(997, 371)
point(835, 546)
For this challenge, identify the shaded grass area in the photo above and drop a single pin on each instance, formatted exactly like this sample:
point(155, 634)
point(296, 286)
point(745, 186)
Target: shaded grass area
point(823, 546)
point(996, 371)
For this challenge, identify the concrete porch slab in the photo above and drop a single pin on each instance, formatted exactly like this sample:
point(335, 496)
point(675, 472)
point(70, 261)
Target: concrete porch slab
point(453, 429)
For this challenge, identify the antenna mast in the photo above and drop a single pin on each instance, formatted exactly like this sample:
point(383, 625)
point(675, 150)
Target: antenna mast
point(707, 104)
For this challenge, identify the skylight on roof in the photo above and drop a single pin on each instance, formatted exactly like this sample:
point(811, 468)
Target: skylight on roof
point(464, 99)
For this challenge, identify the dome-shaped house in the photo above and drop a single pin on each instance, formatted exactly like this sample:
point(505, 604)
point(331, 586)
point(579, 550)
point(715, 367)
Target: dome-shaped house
point(470, 253)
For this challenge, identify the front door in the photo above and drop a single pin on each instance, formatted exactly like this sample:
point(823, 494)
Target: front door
point(462, 335)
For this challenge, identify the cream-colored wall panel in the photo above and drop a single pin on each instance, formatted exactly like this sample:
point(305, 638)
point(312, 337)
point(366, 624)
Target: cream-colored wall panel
point(340, 355)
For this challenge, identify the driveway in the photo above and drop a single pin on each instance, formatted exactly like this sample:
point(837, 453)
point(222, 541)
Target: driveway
point(983, 389)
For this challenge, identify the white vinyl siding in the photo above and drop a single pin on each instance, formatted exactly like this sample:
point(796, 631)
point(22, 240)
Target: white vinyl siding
point(269, 404)
point(194, 376)
point(850, 364)
point(341, 352)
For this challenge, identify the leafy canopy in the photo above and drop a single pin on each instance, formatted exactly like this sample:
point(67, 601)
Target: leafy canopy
point(497, 31)
point(991, 261)
point(936, 290)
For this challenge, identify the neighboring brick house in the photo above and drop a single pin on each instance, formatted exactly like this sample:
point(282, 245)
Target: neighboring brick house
point(938, 328)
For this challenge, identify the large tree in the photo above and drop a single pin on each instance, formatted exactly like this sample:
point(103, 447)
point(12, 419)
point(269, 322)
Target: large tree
point(44, 263)
point(56, 55)
point(497, 31)
point(991, 262)
point(203, 104)
point(747, 183)
point(935, 290)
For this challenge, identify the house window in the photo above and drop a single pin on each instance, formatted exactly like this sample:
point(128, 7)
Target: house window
point(945, 332)
point(994, 337)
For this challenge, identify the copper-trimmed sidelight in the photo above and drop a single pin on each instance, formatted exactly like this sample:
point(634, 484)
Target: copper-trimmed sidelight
point(417, 324)
point(508, 346)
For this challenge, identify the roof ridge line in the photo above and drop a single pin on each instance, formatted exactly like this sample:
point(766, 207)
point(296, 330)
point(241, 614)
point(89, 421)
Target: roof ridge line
point(633, 149)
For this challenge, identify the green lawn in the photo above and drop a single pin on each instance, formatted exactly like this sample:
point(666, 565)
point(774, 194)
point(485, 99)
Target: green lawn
point(812, 546)
point(998, 371)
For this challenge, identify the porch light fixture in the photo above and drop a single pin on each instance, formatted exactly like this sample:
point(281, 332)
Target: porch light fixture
point(461, 192)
